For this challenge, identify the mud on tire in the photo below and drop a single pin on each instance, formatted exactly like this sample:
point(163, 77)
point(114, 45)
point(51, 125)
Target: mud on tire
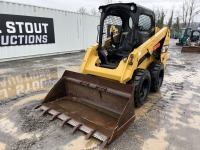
point(156, 70)
point(142, 81)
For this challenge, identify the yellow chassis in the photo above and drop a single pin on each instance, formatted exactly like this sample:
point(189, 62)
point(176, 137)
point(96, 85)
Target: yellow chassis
point(136, 59)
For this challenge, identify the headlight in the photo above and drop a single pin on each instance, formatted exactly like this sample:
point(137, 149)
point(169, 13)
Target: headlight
point(165, 48)
point(132, 7)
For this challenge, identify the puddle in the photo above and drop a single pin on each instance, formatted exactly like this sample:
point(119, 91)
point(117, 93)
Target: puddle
point(81, 144)
point(30, 81)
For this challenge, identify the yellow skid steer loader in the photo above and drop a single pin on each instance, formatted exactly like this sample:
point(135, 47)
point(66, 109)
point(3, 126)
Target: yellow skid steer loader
point(116, 74)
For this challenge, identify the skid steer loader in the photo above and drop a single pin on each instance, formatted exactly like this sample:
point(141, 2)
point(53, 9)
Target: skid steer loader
point(185, 33)
point(116, 74)
point(193, 42)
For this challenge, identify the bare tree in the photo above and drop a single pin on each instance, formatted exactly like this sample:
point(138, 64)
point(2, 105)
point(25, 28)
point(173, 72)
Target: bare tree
point(160, 14)
point(185, 11)
point(176, 25)
point(82, 10)
point(190, 9)
point(157, 14)
point(170, 19)
point(194, 9)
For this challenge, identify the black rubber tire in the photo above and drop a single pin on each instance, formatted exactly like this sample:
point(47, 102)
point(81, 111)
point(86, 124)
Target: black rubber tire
point(156, 70)
point(142, 82)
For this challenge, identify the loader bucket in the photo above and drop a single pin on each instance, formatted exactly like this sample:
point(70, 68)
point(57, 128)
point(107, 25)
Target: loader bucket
point(190, 49)
point(101, 108)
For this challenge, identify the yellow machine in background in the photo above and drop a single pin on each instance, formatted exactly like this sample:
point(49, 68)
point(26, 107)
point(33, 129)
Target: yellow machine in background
point(116, 74)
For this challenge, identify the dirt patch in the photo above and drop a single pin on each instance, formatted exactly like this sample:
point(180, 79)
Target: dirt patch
point(22, 144)
point(32, 121)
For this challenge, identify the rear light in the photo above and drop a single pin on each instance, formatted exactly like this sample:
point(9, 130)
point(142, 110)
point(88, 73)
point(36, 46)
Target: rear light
point(156, 46)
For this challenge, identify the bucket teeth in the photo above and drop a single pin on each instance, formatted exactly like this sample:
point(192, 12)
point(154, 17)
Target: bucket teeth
point(45, 111)
point(65, 121)
point(76, 127)
point(89, 134)
point(54, 116)
point(38, 106)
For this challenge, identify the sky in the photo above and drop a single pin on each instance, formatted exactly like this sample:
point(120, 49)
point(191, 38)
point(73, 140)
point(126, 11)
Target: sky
point(74, 5)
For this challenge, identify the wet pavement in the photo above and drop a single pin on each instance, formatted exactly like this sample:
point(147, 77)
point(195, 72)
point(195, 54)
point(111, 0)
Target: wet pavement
point(170, 119)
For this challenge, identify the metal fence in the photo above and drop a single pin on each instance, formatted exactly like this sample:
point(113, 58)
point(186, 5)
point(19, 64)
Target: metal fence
point(72, 31)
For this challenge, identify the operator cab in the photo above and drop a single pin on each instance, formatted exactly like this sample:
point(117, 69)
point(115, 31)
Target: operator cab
point(195, 36)
point(194, 39)
point(123, 27)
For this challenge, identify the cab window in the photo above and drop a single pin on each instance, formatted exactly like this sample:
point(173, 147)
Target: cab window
point(144, 22)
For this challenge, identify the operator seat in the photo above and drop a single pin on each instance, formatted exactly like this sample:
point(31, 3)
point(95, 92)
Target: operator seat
point(123, 47)
point(127, 46)
point(123, 50)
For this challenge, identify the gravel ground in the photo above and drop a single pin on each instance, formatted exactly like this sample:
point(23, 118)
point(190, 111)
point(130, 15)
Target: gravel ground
point(170, 119)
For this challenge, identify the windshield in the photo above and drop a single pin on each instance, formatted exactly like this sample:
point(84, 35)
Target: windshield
point(196, 33)
point(188, 32)
point(183, 32)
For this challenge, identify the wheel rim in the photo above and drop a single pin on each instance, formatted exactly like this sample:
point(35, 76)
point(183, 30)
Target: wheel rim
point(144, 90)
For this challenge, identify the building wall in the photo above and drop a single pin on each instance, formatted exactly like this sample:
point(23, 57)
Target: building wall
point(73, 31)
